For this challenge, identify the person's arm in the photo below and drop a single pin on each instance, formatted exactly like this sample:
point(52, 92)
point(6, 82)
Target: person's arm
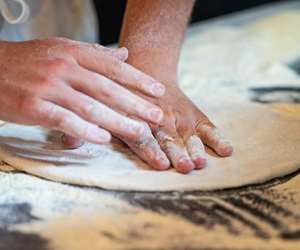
point(153, 32)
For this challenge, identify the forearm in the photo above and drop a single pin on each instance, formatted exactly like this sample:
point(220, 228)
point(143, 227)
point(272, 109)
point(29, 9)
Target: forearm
point(153, 31)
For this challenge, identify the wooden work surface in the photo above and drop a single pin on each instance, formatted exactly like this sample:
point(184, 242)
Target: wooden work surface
point(37, 214)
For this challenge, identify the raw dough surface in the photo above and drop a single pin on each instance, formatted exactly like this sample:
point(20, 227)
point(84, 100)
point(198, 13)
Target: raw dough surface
point(267, 145)
point(217, 67)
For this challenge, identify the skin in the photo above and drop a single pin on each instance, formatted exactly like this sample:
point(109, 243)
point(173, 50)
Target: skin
point(78, 88)
point(153, 31)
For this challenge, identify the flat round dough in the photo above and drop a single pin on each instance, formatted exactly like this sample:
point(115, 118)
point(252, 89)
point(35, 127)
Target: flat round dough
point(266, 142)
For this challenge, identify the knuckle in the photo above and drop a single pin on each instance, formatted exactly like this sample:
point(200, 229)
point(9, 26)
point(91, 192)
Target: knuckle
point(142, 132)
point(43, 84)
point(164, 137)
point(45, 81)
point(60, 122)
point(27, 105)
point(204, 126)
point(107, 88)
point(115, 68)
point(58, 66)
point(73, 49)
point(203, 119)
point(105, 94)
point(91, 110)
point(145, 143)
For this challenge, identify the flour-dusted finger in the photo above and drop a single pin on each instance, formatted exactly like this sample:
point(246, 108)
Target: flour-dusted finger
point(114, 95)
point(92, 48)
point(118, 53)
point(116, 70)
point(68, 46)
point(99, 114)
point(173, 146)
point(213, 138)
point(196, 151)
point(129, 76)
point(50, 115)
point(148, 149)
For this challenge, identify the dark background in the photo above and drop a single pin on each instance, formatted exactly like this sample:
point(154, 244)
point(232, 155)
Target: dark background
point(111, 12)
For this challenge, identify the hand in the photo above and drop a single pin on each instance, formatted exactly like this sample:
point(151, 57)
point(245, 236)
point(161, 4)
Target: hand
point(180, 138)
point(154, 31)
point(75, 87)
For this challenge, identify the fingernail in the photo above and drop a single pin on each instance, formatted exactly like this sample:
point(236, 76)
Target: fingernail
point(184, 166)
point(199, 162)
point(123, 50)
point(121, 53)
point(156, 115)
point(225, 148)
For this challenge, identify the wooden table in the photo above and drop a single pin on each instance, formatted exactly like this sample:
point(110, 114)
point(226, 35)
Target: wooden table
point(36, 214)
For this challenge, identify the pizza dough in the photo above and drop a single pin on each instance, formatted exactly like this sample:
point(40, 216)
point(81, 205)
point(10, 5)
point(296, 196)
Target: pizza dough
point(231, 60)
point(267, 145)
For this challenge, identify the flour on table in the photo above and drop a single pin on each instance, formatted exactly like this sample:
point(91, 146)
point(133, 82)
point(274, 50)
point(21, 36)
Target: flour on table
point(216, 72)
point(230, 60)
point(283, 32)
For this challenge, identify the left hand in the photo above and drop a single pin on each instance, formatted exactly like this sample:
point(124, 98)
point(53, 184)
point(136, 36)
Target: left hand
point(180, 138)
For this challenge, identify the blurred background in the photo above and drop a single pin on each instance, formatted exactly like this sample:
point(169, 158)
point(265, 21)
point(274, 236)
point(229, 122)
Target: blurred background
point(111, 13)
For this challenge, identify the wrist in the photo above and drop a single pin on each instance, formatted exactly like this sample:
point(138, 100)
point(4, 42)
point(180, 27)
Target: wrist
point(156, 63)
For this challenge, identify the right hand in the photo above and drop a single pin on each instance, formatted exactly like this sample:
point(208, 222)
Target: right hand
point(76, 88)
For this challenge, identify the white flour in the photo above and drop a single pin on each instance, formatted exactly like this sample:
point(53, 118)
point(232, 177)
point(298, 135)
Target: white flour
point(217, 68)
point(84, 218)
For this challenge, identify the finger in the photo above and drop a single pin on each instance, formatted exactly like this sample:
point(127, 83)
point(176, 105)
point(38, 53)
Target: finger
point(149, 150)
point(176, 152)
point(55, 117)
point(196, 151)
point(116, 70)
point(212, 137)
point(97, 113)
point(118, 53)
point(71, 142)
point(114, 95)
